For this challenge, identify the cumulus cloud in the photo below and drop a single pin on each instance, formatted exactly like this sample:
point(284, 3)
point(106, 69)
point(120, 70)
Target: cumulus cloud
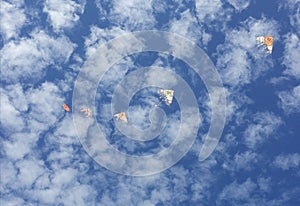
point(132, 15)
point(49, 97)
point(63, 14)
point(29, 171)
point(38, 167)
point(19, 145)
point(27, 59)
point(208, 10)
point(10, 117)
point(290, 100)
point(24, 115)
point(287, 161)
point(12, 17)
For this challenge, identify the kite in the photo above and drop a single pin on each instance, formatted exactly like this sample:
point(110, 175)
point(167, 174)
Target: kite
point(87, 111)
point(266, 41)
point(66, 107)
point(121, 116)
point(166, 96)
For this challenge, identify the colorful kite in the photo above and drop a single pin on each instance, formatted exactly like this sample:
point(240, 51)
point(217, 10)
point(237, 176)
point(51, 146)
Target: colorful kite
point(266, 41)
point(87, 112)
point(121, 116)
point(166, 95)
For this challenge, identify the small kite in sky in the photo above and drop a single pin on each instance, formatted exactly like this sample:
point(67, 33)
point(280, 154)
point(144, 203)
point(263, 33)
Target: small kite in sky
point(87, 111)
point(266, 41)
point(121, 116)
point(66, 107)
point(166, 95)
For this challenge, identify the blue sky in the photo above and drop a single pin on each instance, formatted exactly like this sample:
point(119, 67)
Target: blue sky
point(44, 47)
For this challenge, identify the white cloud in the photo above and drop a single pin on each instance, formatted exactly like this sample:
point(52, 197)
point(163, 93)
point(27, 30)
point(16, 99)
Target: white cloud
point(63, 14)
point(17, 97)
point(288, 161)
point(48, 97)
point(66, 130)
point(13, 201)
point(132, 15)
point(293, 7)
point(235, 100)
point(19, 145)
point(10, 117)
point(244, 161)
point(209, 10)
point(8, 176)
point(28, 58)
point(64, 176)
point(292, 55)
point(12, 19)
point(236, 192)
point(79, 195)
point(239, 5)
point(139, 115)
point(237, 69)
point(28, 171)
point(263, 126)
point(160, 6)
point(290, 100)
point(187, 26)
point(100, 36)
point(264, 184)
point(23, 123)
point(45, 195)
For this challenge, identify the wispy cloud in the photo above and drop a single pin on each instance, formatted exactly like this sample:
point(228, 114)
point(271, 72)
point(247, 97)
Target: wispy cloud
point(239, 5)
point(263, 126)
point(292, 55)
point(243, 161)
point(293, 9)
point(287, 161)
point(237, 192)
point(290, 100)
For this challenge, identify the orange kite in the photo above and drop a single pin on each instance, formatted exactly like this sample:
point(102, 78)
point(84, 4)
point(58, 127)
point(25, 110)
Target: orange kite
point(66, 107)
point(269, 40)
